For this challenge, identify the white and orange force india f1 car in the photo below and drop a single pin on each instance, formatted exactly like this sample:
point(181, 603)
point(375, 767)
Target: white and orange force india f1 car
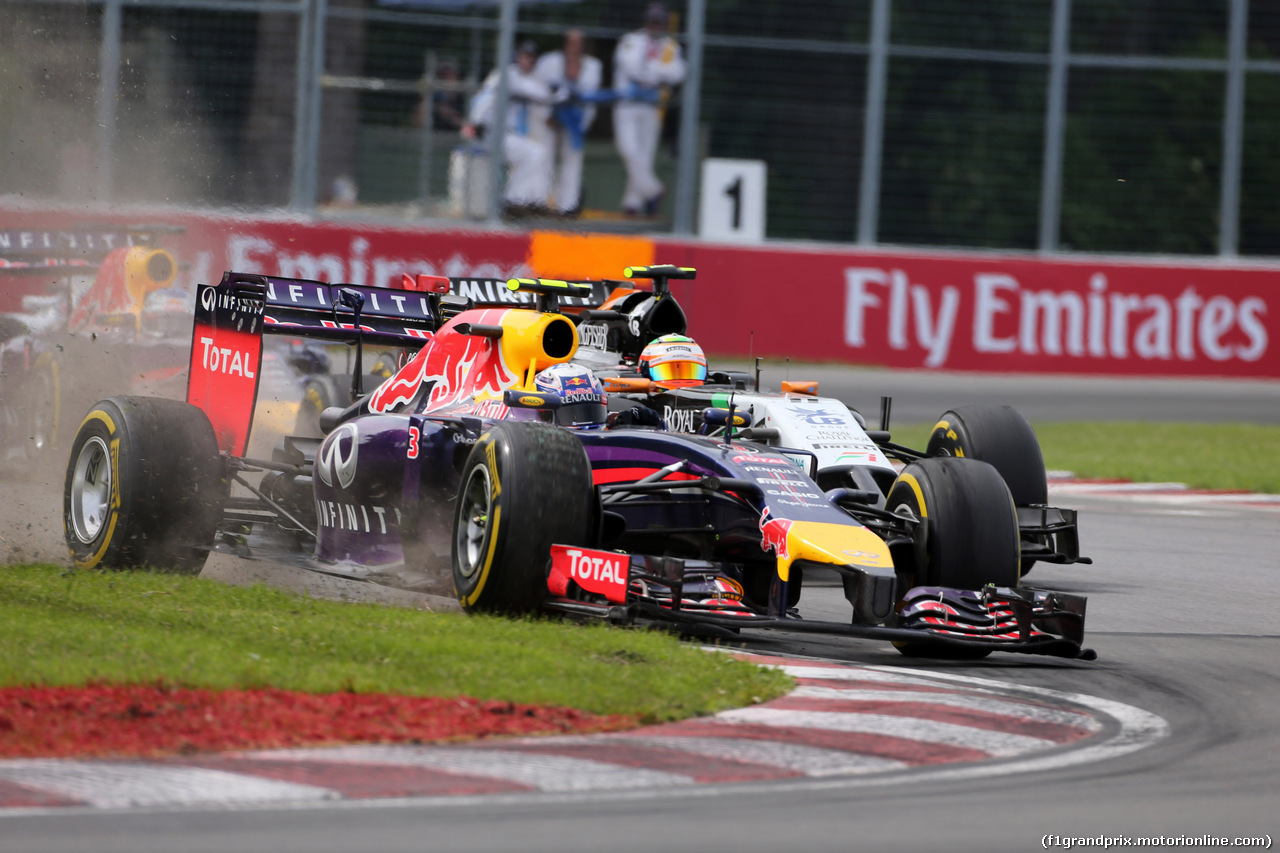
point(455, 471)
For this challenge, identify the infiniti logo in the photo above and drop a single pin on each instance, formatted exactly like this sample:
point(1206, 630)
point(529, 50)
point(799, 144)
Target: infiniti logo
point(336, 461)
point(206, 299)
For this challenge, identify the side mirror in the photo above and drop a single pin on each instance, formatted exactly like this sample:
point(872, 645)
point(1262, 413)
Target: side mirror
point(517, 399)
point(726, 417)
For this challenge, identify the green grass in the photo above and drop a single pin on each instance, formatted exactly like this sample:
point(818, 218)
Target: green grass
point(69, 627)
point(1204, 456)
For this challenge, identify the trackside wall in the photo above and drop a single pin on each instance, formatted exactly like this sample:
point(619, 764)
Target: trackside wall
point(903, 309)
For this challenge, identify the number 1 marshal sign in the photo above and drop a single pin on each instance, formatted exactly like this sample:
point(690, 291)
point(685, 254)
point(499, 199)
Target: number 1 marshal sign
point(733, 200)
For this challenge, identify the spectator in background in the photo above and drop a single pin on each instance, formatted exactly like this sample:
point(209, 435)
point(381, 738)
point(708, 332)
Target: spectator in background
point(574, 76)
point(646, 61)
point(524, 148)
point(448, 105)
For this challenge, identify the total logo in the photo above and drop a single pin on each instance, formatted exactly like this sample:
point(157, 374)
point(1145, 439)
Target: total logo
point(337, 457)
point(596, 567)
point(678, 420)
point(743, 458)
point(232, 362)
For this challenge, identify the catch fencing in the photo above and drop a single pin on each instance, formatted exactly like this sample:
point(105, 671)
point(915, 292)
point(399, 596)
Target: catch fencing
point(1151, 126)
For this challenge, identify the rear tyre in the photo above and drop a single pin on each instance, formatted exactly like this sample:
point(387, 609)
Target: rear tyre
point(316, 397)
point(144, 486)
point(999, 436)
point(524, 487)
point(970, 532)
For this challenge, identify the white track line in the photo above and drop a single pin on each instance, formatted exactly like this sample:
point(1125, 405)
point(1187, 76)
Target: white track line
point(993, 743)
point(1005, 708)
point(809, 760)
point(537, 770)
point(852, 673)
point(122, 785)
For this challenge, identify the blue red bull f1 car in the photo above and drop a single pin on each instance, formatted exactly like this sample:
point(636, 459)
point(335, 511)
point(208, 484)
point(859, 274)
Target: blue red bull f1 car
point(457, 473)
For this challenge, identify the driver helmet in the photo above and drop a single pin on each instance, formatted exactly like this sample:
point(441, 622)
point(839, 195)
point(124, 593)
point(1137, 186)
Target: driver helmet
point(584, 404)
point(674, 361)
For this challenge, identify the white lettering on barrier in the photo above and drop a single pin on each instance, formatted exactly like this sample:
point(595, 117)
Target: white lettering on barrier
point(933, 331)
point(255, 254)
point(1097, 324)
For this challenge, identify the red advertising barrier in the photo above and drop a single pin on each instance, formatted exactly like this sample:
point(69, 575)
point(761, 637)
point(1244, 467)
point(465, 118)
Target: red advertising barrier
point(206, 245)
point(954, 311)
point(983, 312)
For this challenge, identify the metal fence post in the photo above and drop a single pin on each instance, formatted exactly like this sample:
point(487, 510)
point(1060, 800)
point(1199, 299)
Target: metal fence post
point(108, 92)
point(690, 120)
point(1233, 130)
point(299, 193)
point(427, 139)
point(1054, 128)
point(318, 24)
point(873, 124)
point(497, 132)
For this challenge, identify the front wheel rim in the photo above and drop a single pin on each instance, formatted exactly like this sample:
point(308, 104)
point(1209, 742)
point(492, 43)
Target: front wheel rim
point(91, 487)
point(473, 522)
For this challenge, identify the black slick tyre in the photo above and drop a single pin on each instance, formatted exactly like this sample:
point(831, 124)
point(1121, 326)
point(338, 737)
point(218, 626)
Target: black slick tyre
point(999, 436)
point(524, 487)
point(144, 487)
point(970, 532)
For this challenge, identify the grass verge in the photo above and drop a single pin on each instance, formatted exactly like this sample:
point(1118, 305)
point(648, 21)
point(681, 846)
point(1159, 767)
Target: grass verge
point(65, 627)
point(1204, 456)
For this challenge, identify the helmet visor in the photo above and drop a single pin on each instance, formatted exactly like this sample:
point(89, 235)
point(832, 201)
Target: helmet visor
point(581, 414)
point(684, 372)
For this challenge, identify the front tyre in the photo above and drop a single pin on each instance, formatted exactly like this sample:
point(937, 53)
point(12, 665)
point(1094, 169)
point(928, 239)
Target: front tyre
point(524, 487)
point(144, 486)
point(969, 537)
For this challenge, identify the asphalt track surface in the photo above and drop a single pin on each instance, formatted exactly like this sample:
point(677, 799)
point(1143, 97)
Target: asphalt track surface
point(1184, 615)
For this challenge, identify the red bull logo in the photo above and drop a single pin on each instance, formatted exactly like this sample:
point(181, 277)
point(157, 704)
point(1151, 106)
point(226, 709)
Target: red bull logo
point(773, 534)
point(402, 386)
point(458, 366)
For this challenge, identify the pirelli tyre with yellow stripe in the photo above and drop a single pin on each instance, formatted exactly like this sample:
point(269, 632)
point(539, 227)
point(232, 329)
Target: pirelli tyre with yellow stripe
point(145, 486)
point(525, 487)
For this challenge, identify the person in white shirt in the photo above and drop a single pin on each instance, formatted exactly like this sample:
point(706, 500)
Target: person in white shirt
point(573, 76)
point(644, 62)
point(524, 146)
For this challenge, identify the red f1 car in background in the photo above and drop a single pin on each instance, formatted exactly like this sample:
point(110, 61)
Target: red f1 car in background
point(78, 319)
